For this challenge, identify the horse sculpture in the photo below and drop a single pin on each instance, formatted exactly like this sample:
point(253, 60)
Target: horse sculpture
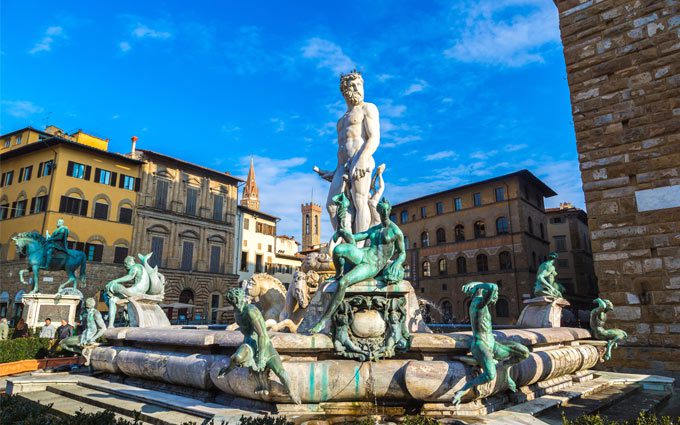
point(34, 245)
point(300, 293)
point(267, 293)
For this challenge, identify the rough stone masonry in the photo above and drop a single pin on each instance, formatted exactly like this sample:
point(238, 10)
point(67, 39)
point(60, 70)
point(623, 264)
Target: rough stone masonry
point(622, 59)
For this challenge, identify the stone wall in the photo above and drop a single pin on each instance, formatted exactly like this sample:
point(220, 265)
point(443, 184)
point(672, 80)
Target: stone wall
point(623, 62)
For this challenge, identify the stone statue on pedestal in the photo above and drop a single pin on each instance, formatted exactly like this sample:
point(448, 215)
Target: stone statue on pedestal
point(257, 352)
point(372, 261)
point(485, 350)
point(598, 318)
point(545, 279)
point(93, 329)
point(148, 283)
point(51, 254)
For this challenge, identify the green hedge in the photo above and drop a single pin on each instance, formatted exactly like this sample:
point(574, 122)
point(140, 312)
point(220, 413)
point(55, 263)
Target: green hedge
point(643, 419)
point(12, 350)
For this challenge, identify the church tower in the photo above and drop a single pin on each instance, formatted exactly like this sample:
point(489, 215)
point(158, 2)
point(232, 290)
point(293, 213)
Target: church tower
point(251, 196)
point(311, 225)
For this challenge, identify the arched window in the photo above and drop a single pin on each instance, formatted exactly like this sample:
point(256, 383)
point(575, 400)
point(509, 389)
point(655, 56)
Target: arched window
point(404, 216)
point(501, 225)
point(424, 239)
point(306, 224)
point(531, 225)
point(406, 244)
point(540, 226)
point(505, 261)
point(407, 271)
point(185, 297)
point(447, 312)
point(461, 265)
point(441, 236)
point(502, 308)
point(482, 263)
point(316, 224)
point(459, 231)
point(426, 268)
point(442, 266)
point(480, 229)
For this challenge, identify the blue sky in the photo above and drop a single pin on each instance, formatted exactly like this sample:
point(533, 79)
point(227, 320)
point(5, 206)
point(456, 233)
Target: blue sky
point(466, 90)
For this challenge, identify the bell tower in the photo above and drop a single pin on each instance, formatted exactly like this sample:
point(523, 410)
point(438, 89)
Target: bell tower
point(251, 195)
point(311, 225)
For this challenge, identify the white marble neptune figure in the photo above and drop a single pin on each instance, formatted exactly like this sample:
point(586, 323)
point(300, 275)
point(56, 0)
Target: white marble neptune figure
point(358, 139)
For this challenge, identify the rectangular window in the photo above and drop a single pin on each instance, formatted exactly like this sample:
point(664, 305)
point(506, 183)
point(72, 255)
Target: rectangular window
point(102, 176)
point(77, 170)
point(218, 206)
point(269, 248)
point(25, 173)
point(18, 140)
point(94, 252)
point(39, 204)
point(119, 254)
point(162, 194)
point(4, 211)
point(19, 208)
point(7, 178)
point(73, 206)
point(423, 212)
point(215, 256)
point(128, 182)
point(556, 220)
point(477, 199)
point(560, 243)
point(244, 261)
point(439, 206)
point(45, 168)
point(8, 142)
point(246, 224)
point(101, 211)
point(500, 194)
point(192, 197)
point(187, 255)
point(457, 204)
point(259, 266)
point(125, 215)
point(157, 248)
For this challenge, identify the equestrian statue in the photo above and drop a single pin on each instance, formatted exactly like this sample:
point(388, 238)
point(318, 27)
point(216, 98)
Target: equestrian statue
point(50, 253)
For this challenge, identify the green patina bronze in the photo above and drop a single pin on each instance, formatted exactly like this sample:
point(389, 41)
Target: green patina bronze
point(372, 261)
point(545, 279)
point(51, 253)
point(598, 318)
point(485, 350)
point(93, 326)
point(257, 352)
point(147, 281)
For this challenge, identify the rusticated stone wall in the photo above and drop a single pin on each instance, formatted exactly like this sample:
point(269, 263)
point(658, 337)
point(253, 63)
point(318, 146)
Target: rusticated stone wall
point(623, 62)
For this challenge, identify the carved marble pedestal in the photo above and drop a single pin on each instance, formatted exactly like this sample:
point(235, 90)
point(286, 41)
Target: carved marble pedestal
point(144, 312)
point(55, 306)
point(542, 312)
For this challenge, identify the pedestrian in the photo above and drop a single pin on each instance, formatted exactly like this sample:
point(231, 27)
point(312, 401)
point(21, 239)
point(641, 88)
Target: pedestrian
point(64, 331)
point(4, 329)
point(20, 330)
point(78, 328)
point(48, 330)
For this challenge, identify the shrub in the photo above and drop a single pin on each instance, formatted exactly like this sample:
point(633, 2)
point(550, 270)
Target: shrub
point(643, 419)
point(12, 350)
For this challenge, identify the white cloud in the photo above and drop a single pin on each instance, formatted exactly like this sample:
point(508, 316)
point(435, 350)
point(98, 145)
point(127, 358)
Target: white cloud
point(45, 43)
point(515, 147)
point(143, 31)
point(279, 124)
point(503, 33)
point(275, 177)
point(393, 135)
point(483, 154)
point(124, 46)
point(20, 108)
point(440, 155)
point(115, 117)
point(230, 128)
point(416, 87)
point(564, 177)
point(327, 55)
point(384, 77)
point(387, 108)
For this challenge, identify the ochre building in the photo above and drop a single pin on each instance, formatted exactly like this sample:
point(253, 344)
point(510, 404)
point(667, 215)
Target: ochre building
point(490, 231)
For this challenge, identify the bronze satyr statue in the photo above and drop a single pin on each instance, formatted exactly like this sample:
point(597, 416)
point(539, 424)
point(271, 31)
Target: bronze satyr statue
point(598, 317)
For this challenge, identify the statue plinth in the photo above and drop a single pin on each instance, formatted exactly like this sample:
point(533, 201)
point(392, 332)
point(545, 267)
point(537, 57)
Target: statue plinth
point(55, 306)
point(144, 312)
point(542, 312)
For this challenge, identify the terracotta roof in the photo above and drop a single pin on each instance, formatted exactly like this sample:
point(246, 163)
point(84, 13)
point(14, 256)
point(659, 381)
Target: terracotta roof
point(55, 140)
point(190, 165)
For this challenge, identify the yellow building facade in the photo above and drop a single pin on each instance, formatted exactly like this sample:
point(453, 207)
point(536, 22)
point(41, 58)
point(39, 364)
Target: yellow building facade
point(47, 175)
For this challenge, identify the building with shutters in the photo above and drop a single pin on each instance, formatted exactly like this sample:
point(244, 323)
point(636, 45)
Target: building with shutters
point(186, 216)
point(490, 231)
point(47, 175)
